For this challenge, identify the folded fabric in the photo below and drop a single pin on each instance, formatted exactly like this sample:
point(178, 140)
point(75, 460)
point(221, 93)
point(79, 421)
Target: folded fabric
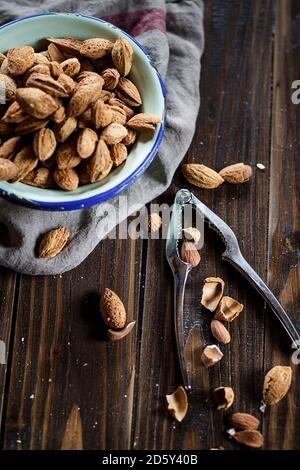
point(172, 32)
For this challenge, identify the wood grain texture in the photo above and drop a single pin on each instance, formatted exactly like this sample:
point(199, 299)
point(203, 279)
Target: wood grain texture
point(69, 388)
point(7, 289)
point(64, 362)
point(282, 431)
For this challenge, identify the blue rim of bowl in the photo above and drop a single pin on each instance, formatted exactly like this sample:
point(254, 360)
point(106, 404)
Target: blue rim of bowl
point(105, 196)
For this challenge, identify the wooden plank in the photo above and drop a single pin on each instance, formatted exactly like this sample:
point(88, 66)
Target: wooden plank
point(283, 420)
point(69, 388)
point(7, 288)
point(233, 126)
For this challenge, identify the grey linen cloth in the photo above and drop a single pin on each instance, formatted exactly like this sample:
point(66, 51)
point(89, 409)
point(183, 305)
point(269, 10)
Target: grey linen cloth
point(172, 32)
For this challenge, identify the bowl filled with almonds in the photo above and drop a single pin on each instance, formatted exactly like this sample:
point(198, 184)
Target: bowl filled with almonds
point(81, 111)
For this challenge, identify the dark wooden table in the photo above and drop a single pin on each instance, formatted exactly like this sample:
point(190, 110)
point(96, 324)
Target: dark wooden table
point(64, 387)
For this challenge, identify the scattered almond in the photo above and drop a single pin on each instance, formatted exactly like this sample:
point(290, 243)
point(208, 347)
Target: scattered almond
point(112, 310)
point(201, 176)
point(228, 309)
point(241, 421)
point(237, 173)
point(212, 292)
point(224, 397)
point(220, 332)
point(115, 335)
point(53, 242)
point(189, 254)
point(178, 403)
point(211, 355)
point(249, 438)
point(276, 384)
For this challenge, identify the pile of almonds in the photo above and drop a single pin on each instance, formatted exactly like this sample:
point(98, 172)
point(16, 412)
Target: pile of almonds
point(71, 114)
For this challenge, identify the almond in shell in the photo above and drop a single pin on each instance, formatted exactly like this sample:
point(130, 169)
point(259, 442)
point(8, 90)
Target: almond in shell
point(14, 114)
point(55, 54)
point(276, 384)
point(130, 138)
point(44, 143)
point(8, 169)
point(30, 125)
point(36, 103)
point(100, 164)
point(53, 242)
point(66, 179)
point(113, 133)
point(67, 156)
point(70, 67)
point(112, 310)
point(118, 153)
point(9, 148)
point(128, 92)
point(8, 87)
point(144, 121)
point(67, 45)
point(237, 173)
point(64, 129)
point(201, 176)
point(26, 161)
point(47, 84)
point(102, 114)
point(86, 143)
point(122, 54)
point(20, 59)
point(82, 99)
point(40, 178)
point(96, 48)
point(111, 79)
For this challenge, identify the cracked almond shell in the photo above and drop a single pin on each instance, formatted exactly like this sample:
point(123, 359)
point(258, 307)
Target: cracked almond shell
point(178, 403)
point(228, 309)
point(115, 335)
point(212, 292)
point(224, 397)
